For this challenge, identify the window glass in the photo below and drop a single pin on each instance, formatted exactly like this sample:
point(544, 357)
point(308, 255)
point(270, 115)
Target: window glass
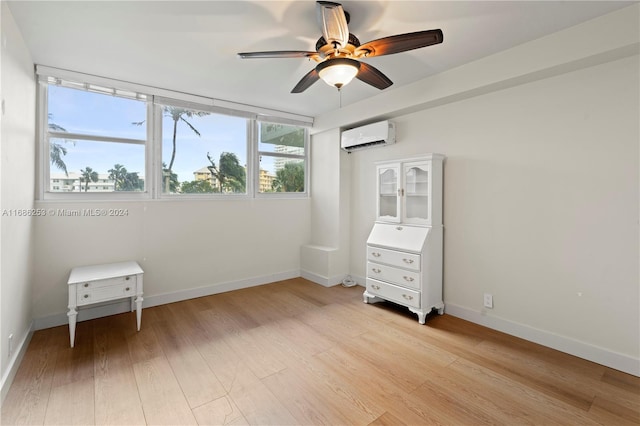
point(94, 164)
point(203, 152)
point(78, 111)
point(282, 158)
point(105, 150)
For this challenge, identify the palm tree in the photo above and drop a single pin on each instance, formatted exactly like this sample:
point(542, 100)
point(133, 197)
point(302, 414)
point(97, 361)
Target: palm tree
point(230, 175)
point(170, 181)
point(177, 115)
point(56, 150)
point(290, 178)
point(88, 174)
point(119, 175)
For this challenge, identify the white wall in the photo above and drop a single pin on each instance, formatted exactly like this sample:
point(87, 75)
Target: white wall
point(326, 259)
point(17, 180)
point(186, 248)
point(541, 188)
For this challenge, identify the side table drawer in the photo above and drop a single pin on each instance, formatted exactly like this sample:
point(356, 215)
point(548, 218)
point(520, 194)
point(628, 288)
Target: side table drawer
point(129, 280)
point(403, 296)
point(394, 258)
point(88, 295)
point(393, 275)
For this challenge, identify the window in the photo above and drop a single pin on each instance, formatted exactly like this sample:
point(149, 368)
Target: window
point(94, 138)
point(282, 154)
point(203, 152)
point(105, 139)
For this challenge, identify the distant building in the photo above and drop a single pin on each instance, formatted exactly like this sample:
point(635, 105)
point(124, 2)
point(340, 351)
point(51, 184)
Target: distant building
point(73, 182)
point(265, 179)
point(59, 182)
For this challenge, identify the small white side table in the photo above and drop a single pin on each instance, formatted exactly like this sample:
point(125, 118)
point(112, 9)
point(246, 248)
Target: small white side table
point(102, 283)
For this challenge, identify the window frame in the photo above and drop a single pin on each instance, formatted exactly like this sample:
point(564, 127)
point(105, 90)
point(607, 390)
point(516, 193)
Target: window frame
point(258, 154)
point(159, 103)
point(45, 135)
point(156, 98)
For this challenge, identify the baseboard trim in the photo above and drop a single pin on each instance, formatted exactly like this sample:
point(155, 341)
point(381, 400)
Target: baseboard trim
point(322, 280)
point(124, 305)
point(16, 360)
point(564, 344)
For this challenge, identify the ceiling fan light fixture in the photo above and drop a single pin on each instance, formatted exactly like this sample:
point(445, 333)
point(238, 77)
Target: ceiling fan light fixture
point(338, 72)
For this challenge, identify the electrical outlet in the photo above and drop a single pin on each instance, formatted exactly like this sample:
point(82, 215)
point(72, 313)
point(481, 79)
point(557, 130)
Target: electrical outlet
point(10, 345)
point(488, 301)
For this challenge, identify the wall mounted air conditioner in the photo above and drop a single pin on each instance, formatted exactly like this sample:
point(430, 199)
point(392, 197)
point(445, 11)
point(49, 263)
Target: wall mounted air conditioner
point(375, 134)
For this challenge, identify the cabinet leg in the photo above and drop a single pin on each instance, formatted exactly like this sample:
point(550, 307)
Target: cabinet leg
point(139, 300)
point(72, 314)
point(422, 315)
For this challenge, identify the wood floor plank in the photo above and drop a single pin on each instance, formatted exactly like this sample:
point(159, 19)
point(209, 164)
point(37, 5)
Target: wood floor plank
point(71, 404)
point(257, 351)
point(75, 364)
point(219, 356)
point(578, 390)
point(258, 404)
point(387, 419)
point(308, 404)
point(162, 399)
point(348, 400)
point(26, 402)
point(542, 407)
point(295, 338)
point(221, 411)
point(198, 383)
point(117, 401)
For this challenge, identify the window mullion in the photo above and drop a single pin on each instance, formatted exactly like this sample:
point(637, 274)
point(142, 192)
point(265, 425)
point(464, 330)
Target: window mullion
point(96, 138)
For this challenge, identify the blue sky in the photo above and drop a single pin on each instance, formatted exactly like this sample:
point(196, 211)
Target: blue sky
point(91, 113)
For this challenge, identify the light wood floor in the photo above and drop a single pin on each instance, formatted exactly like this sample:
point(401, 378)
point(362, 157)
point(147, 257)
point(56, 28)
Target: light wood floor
point(294, 352)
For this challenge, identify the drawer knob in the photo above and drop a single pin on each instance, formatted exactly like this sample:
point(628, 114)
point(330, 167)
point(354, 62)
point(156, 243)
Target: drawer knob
point(376, 270)
point(127, 278)
point(375, 287)
point(410, 279)
point(407, 297)
point(86, 296)
point(375, 254)
point(127, 289)
point(409, 261)
point(86, 284)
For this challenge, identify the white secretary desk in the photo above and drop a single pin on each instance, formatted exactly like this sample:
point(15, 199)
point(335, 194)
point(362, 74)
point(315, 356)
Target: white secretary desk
point(404, 248)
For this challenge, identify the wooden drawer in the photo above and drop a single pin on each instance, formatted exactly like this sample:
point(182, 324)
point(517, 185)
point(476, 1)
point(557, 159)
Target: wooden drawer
point(393, 275)
point(394, 258)
point(129, 279)
point(394, 293)
point(99, 291)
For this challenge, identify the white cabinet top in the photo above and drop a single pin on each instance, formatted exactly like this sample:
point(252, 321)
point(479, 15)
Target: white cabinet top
point(398, 237)
point(103, 272)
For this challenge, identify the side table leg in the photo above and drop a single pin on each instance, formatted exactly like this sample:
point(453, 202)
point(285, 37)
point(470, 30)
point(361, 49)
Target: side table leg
point(139, 300)
point(72, 314)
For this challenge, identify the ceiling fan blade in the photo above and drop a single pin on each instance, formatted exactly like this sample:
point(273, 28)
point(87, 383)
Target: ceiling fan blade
point(373, 76)
point(306, 81)
point(400, 43)
point(333, 22)
point(278, 54)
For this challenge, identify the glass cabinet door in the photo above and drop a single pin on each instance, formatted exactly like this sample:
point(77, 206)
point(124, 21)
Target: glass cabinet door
point(388, 194)
point(416, 193)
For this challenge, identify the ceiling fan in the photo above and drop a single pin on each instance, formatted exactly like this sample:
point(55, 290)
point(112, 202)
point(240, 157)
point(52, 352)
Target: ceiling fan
point(338, 52)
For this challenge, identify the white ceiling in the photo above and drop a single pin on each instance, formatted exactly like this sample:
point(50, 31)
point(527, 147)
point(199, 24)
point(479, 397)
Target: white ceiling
point(191, 46)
